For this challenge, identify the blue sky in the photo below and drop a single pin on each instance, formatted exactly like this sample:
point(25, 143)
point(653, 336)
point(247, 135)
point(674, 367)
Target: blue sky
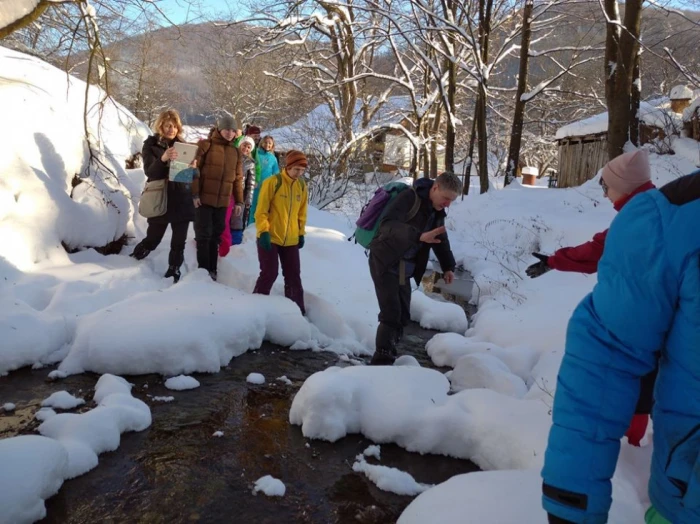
point(181, 11)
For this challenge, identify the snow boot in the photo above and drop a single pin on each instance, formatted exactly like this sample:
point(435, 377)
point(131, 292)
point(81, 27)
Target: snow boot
point(174, 272)
point(382, 358)
point(140, 252)
point(213, 275)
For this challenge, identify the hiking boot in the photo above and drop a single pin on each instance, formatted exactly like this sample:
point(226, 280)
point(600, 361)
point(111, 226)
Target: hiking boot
point(174, 272)
point(381, 358)
point(140, 252)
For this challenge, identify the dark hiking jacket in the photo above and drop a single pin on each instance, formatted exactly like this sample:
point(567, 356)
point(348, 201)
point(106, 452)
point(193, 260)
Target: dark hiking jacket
point(399, 238)
point(180, 204)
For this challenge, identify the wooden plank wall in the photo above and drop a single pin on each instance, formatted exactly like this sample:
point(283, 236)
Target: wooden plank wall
point(580, 158)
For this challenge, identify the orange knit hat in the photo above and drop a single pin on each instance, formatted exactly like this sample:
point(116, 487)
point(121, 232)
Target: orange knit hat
point(295, 159)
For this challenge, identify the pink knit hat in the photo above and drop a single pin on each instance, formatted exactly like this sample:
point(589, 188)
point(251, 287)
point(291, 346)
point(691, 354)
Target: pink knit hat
point(627, 172)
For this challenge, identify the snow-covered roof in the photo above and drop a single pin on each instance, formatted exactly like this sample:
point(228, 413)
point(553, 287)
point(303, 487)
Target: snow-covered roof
point(316, 131)
point(681, 92)
point(656, 112)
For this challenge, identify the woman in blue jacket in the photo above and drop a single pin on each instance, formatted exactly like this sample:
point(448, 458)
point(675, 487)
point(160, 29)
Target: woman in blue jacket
point(645, 307)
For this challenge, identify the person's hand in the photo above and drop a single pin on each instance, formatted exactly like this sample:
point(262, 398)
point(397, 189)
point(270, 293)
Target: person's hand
point(170, 154)
point(540, 268)
point(197, 202)
point(301, 241)
point(448, 277)
point(193, 164)
point(238, 210)
point(265, 242)
point(430, 237)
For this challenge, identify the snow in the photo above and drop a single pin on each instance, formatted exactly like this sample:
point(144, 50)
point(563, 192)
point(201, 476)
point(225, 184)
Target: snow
point(181, 383)
point(32, 471)
point(62, 400)
point(218, 434)
point(163, 399)
point(442, 316)
point(656, 112)
point(270, 486)
point(14, 10)
point(284, 380)
point(255, 378)
point(44, 414)
point(681, 92)
point(68, 447)
point(8, 407)
point(373, 451)
point(389, 479)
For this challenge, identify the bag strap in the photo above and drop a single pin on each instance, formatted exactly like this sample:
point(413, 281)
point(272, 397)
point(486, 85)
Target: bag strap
point(415, 208)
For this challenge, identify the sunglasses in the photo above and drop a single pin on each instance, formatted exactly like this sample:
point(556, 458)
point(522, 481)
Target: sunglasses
point(604, 186)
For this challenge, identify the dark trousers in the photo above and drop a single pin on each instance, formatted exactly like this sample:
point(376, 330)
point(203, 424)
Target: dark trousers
point(394, 308)
point(291, 271)
point(209, 223)
point(154, 235)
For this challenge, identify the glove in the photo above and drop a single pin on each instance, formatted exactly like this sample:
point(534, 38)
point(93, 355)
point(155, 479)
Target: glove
point(265, 242)
point(540, 268)
point(301, 241)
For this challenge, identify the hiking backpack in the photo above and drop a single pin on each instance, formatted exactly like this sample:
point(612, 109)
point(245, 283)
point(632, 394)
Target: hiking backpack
point(374, 210)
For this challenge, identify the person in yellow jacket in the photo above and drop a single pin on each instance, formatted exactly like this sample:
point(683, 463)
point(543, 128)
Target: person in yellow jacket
point(280, 219)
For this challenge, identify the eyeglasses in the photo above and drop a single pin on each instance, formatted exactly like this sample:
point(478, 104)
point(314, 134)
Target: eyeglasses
point(604, 186)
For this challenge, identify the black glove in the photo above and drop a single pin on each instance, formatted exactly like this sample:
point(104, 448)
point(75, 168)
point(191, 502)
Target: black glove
point(540, 268)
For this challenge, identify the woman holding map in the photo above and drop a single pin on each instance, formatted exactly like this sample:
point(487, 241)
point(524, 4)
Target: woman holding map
point(158, 151)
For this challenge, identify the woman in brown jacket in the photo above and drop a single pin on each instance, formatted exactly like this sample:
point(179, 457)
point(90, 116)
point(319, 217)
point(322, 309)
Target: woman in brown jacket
point(219, 176)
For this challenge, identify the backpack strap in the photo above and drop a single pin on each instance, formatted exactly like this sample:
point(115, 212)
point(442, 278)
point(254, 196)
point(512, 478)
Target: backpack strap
point(415, 208)
point(278, 183)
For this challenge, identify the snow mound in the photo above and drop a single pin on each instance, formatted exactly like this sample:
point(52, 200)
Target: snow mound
point(153, 332)
point(486, 371)
point(390, 479)
point(181, 383)
point(255, 378)
point(442, 316)
point(270, 486)
point(62, 400)
point(384, 403)
point(8, 407)
point(32, 471)
point(87, 435)
point(373, 451)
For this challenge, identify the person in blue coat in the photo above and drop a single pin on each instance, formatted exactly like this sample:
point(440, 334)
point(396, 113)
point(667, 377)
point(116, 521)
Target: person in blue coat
point(645, 308)
point(266, 165)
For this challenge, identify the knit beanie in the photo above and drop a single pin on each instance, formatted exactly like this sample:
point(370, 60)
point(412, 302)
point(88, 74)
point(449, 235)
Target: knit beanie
point(225, 122)
point(295, 159)
point(252, 130)
point(247, 140)
point(627, 172)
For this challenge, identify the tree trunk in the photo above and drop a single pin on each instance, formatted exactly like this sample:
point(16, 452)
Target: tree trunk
point(435, 132)
point(621, 49)
point(451, 66)
point(482, 143)
point(469, 161)
point(636, 97)
point(516, 133)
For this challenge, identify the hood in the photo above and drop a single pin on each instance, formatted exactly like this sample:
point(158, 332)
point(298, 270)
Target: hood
point(423, 186)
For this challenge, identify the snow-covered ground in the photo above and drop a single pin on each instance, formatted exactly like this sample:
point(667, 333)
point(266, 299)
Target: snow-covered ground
point(114, 316)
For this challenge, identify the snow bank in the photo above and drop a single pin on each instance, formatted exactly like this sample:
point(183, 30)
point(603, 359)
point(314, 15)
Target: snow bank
point(195, 326)
point(270, 486)
point(34, 467)
point(37, 212)
point(87, 435)
point(441, 316)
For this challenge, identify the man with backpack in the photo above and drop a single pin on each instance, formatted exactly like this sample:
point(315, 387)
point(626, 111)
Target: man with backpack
point(412, 222)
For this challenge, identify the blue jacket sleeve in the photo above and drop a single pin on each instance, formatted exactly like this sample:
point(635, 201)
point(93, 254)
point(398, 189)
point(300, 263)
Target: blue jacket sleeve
point(613, 338)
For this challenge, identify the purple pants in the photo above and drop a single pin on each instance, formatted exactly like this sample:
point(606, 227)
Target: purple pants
point(291, 271)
